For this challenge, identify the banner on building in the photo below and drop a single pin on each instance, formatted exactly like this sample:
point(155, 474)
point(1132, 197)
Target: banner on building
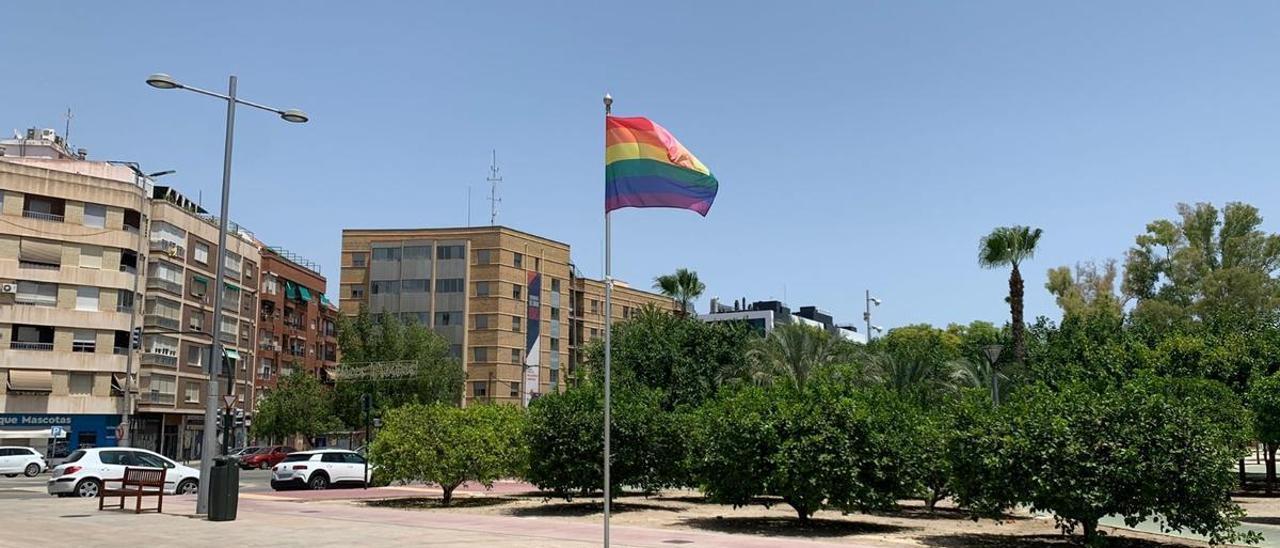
point(533, 338)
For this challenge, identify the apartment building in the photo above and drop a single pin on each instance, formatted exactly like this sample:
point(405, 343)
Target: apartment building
point(297, 323)
point(586, 312)
point(500, 296)
point(69, 238)
point(178, 330)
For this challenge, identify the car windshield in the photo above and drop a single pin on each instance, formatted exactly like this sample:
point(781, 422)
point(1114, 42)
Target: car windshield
point(261, 451)
point(75, 456)
point(297, 457)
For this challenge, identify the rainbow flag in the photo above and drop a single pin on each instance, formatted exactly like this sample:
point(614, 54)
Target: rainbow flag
point(645, 166)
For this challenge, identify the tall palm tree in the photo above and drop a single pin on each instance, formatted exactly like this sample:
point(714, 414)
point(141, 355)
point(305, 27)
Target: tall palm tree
point(1009, 246)
point(792, 353)
point(912, 378)
point(682, 286)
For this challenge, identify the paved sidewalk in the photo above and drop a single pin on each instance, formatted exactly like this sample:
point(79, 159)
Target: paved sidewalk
point(277, 523)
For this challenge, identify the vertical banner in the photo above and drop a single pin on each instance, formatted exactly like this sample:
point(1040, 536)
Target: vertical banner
point(533, 339)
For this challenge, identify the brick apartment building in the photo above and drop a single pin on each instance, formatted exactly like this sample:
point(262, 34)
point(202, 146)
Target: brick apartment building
point(297, 324)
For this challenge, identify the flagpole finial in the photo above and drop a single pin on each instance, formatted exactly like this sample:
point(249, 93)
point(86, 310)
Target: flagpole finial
point(608, 104)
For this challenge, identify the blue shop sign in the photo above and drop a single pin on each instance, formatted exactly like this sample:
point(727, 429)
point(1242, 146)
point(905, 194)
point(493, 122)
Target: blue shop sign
point(81, 430)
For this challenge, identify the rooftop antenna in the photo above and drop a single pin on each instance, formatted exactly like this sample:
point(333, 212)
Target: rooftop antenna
point(66, 133)
point(494, 200)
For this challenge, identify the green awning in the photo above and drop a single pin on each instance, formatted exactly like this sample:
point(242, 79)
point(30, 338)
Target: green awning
point(230, 287)
point(324, 300)
point(304, 294)
point(200, 278)
point(289, 291)
point(231, 354)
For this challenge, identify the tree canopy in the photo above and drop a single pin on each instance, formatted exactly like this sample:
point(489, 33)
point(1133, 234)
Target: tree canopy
point(299, 405)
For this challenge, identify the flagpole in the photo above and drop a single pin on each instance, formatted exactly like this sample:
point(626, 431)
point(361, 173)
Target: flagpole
point(608, 342)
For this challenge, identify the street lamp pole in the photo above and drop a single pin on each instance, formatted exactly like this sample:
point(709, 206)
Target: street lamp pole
point(164, 81)
point(866, 315)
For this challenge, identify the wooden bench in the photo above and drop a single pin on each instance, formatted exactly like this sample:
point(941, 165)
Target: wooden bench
point(137, 483)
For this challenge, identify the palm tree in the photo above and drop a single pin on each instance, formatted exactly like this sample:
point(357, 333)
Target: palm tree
point(1010, 245)
point(682, 286)
point(919, 379)
point(792, 353)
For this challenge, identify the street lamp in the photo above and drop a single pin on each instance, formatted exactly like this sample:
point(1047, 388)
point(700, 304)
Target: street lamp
point(992, 353)
point(164, 81)
point(866, 315)
point(127, 416)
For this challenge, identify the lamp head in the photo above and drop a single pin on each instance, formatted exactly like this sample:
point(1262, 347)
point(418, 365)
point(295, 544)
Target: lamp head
point(875, 301)
point(161, 173)
point(161, 80)
point(294, 115)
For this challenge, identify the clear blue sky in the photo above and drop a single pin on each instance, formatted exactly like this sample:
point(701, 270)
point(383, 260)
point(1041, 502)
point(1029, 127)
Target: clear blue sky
point(858, 144)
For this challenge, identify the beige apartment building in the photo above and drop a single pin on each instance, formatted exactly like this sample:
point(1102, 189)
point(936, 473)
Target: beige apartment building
point(75, 236)
point(510, 303)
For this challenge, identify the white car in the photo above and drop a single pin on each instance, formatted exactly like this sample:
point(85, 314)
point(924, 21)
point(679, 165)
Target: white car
point(320, 469)
point(84, 470)
point(21, 460)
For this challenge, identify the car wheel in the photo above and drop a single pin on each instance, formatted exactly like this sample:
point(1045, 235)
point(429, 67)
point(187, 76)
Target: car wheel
point(188, 487)
point(318, 481)
point(88, 488)
point(32, 470)
point(262, 466)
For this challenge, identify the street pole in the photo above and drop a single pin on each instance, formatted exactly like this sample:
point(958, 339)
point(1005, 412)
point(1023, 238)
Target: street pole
point(866, 315)
point(210, 438)
point(368, 437)
point(127, 440)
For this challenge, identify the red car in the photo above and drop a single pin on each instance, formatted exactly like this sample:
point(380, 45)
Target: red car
point(266, 457)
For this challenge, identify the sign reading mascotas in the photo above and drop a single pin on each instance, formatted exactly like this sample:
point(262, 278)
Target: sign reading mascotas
point(34, 420)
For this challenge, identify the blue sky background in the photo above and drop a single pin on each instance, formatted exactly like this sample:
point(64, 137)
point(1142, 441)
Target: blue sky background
point(858, 144)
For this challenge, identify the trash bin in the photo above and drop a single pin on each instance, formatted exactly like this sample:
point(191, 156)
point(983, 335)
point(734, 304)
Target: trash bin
point(224, 489)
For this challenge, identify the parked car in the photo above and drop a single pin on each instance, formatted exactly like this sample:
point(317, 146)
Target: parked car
point(21, 460)
point(84, 470)
point(320, 470)
point(265, 457)
point(240, 452)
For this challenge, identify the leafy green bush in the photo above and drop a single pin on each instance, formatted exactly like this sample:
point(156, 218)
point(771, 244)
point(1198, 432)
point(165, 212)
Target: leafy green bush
point(447, 445)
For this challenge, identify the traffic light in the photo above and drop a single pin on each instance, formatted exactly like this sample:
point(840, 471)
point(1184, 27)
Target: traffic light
point(137, 338)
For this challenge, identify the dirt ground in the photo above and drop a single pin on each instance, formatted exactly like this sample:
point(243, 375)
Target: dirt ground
point(912, 525)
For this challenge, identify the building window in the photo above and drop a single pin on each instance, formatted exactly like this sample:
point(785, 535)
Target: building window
point(80, 383)
point(555, 344)
point(192, 394)
point(87, 298)
point(555, 285)
point(444, 319)
point(359, 260)
point(479, 389)
point(385, 288)
point(537, 264)
point(386, 254)
point(199, 287)
point(482, 321)
point(270, 285)
point(595, 306)
point(515, 355)
point(202, 253)
point(37, 293)
point(357, 292)
point(554, 378)
point(84, 340)
point(163, 231)
point(515, 323)
point(446, 252)
point(515, 389)
point(419, 318)
point(449, 285)
point(231, 262)
point(482, 289)
point(516, 291)
point(417, 252)
point(479, 354)
point(484, 256)
point(415, 286)
point(555, 313)
point(91, 257)
point(197, 322)
point(195, 355)
point(95, 215)
point(518, 260)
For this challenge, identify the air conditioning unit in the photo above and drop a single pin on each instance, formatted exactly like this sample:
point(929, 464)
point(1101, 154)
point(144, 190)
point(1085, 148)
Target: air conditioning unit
point(10, 288)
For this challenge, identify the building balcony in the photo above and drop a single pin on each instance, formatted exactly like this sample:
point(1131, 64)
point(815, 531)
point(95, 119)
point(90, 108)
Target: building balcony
point(157, 398)
point(129, 269)
point(153, 320)
point(169, 248)
point(164, 285)
point(38, 266)
point(44, 216)
point(163, 360)
point(37, 346)
point(126, 308)
point(227, 337)
point(119, 350)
